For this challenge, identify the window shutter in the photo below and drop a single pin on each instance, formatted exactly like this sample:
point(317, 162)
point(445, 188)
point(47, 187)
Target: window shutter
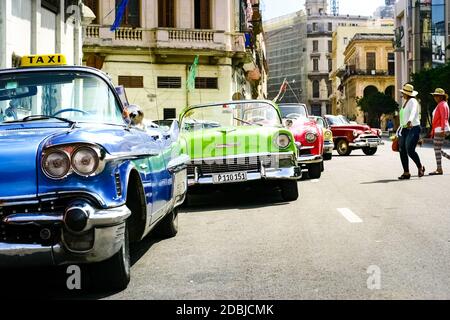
point(205, 14)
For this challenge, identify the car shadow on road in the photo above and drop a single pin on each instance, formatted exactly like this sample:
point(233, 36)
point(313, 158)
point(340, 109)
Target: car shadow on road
point(50, 283)
point(236, 197)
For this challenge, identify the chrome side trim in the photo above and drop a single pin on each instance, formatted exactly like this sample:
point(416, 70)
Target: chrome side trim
point(32, 218)
point(178, 163)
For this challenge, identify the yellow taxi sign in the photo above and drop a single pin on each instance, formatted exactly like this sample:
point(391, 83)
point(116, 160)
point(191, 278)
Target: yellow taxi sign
point(43, 60)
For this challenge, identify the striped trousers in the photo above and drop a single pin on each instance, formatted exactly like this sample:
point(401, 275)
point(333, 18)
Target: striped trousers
point(438, 152)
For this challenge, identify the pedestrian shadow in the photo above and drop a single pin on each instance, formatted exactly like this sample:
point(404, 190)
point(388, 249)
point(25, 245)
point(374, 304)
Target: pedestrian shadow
point(382, 181)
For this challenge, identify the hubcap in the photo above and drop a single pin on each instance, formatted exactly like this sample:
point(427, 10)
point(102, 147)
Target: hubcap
point(343, 147)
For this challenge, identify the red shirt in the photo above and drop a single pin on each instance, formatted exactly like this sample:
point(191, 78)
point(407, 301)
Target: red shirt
point(440, 118)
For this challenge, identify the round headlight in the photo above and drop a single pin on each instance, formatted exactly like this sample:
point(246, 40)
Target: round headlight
point(328, 135)
point(355, 133)
point(311, 137)
point(85, 161)
point(56, 164)
point(283, 141)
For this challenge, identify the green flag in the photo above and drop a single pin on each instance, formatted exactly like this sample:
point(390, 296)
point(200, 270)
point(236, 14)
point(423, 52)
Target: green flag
point(192, 75)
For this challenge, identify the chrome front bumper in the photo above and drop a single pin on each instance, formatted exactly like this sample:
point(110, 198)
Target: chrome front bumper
point(328, 147)
point(366, 143)
point(309, 159)
point(107, 225)
point(292, 173)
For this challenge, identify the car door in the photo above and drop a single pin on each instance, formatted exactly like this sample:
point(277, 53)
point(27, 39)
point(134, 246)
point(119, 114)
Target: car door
point(158, 192)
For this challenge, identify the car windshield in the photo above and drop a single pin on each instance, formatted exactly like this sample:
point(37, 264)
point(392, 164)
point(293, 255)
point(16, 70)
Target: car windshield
point(319, 121)
point(71, 96)
point(292, 110)
point(337, 120)
point(232, 114)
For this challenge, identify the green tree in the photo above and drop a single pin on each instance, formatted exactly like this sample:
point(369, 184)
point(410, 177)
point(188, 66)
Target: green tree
point(425, 82)
point(376, 105)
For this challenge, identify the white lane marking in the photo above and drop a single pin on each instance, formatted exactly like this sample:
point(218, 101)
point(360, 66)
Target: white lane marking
point(349, 215)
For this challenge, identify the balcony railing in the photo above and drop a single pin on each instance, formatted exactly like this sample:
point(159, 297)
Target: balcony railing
point(165, 39)
point(191, 35)
point(128, 34)
point(92, 32)
point(363, 72)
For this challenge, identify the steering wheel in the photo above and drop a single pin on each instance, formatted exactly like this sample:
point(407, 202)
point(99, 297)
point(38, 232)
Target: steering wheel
point(293, 116)
point(70, 110)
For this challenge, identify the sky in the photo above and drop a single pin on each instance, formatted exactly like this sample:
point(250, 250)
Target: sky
point(276, 8)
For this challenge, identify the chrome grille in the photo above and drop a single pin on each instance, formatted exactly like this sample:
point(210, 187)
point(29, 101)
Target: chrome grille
point(228, 165)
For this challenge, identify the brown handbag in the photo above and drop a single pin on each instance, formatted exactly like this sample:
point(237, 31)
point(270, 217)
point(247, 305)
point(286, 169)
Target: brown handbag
point(395, 146)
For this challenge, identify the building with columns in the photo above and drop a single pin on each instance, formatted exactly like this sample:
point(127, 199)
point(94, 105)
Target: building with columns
point(369, 68)
point(319, 46)
point(158, 40)
point(41, 27)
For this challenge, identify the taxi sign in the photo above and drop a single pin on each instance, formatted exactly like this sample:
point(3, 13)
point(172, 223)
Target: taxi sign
point(43, 60)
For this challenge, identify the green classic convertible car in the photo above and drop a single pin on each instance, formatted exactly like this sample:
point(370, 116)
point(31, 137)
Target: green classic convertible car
point(240, 141)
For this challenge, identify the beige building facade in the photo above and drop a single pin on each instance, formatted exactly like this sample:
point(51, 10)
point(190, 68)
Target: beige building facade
point(341, 39)
point(369, 67)
point(152, 51)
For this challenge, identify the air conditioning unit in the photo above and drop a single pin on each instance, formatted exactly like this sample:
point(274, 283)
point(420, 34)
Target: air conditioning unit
point(373, 72)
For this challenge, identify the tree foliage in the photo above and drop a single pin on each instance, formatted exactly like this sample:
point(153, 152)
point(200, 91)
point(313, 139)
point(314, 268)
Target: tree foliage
point(376, 105)
point(425, 82)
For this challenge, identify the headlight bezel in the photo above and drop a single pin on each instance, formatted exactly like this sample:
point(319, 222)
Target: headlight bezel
point(311, 137)
point(96, 159)
point(278, 145)
point(45, 170)
point(70, 151)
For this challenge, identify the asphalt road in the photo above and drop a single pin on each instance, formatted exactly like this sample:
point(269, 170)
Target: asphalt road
point(357, 233)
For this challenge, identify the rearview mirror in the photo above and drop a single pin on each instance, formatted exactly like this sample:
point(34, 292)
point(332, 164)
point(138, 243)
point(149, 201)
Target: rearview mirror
point(17, 93)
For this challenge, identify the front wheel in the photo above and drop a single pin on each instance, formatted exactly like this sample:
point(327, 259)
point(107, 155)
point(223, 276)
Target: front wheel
point(343, 148)
point(369, 151)
point(113, 273)
point(289, 190)
point(168, 227)
point(315, 170)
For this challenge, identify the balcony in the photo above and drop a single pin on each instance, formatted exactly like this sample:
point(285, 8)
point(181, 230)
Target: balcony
point(362, 72)
point(164, 39)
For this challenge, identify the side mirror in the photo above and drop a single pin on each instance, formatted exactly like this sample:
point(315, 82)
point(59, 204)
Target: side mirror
point(134, 114)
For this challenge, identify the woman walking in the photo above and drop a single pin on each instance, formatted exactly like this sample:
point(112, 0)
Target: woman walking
point(440, 127)
point(409, 132)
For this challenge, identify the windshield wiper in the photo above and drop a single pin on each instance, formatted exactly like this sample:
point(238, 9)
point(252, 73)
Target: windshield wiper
point(43, 117)
point(249, 123)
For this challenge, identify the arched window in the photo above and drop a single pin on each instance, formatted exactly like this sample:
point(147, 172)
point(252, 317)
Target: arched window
point(316, 89)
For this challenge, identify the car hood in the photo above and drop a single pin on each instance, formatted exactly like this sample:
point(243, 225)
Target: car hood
point(19, 148)
point(229, 141)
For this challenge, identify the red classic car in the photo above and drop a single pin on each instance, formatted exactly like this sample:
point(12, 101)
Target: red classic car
point(308, 137)
point(349, 136)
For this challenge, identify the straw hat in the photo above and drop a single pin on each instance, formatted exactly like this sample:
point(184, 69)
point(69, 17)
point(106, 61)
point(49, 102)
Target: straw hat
point(408, 89)
point(440, 92)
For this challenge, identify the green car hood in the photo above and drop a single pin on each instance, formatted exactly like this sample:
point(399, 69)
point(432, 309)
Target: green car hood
point(229, 141)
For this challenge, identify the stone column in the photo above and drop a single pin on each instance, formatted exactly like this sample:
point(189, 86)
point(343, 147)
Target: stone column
point(5, 6)
point(35, 25)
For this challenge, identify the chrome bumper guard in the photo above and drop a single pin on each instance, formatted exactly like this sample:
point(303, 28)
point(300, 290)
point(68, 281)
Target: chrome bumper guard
point(366, 143)
point(309, 159)
point(328, 147)
point(107, 225)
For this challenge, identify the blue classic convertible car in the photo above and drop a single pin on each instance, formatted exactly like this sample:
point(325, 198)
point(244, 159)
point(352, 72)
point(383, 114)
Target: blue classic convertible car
point(78, 182)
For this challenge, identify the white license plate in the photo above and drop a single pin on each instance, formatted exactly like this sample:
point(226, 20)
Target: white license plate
point(229, 177)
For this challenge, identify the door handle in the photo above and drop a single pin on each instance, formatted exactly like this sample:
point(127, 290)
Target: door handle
point(143, 166)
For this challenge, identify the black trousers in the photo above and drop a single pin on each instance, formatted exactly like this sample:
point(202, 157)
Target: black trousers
point(407, 147)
